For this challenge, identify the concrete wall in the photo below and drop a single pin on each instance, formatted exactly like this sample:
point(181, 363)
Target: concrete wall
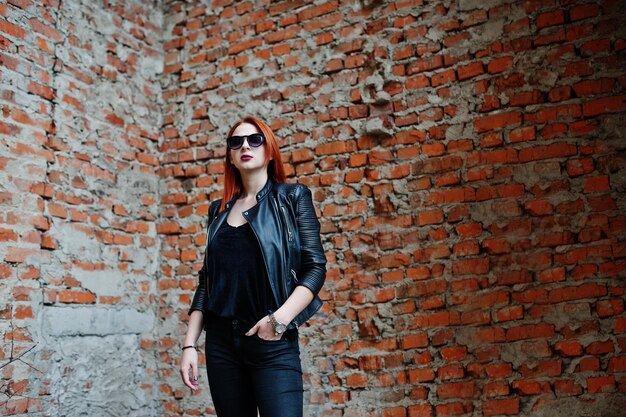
point(80, 101)
point(467, 159)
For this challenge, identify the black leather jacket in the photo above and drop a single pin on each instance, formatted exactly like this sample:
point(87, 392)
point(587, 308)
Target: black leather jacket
point(286, 226)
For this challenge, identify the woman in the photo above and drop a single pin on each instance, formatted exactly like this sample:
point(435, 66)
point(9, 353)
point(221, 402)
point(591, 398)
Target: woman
point(263, 268)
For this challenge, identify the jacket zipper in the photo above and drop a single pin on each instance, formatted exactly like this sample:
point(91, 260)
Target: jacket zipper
point(284, 213)
point(286, 222)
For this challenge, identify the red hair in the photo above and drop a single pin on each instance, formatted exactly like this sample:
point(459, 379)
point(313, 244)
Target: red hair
point(275, 170)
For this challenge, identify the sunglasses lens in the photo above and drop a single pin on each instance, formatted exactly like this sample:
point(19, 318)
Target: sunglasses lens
point(255, 140)
point(234, 142)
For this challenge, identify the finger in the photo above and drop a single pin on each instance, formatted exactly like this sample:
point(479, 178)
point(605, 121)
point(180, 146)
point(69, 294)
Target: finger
point(189, 382)
point(194, 374)
point(185, 367)
point(253, 330)
point(185, 375)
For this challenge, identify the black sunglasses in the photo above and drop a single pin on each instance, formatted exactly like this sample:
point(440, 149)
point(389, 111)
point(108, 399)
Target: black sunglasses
point(254, 140)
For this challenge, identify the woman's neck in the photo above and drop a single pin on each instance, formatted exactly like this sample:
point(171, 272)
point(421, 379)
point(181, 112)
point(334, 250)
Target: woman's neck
point(252, 184)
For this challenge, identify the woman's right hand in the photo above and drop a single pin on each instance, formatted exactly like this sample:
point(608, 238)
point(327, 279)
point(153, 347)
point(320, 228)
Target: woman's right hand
point(189, 361)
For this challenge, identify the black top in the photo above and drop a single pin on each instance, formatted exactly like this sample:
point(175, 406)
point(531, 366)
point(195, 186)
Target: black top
point(240, 288)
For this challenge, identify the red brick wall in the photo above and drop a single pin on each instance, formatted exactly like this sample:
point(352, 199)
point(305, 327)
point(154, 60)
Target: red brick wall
point(467, 159)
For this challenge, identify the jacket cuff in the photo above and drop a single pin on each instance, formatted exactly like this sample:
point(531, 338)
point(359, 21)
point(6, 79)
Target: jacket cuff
point(192, 309)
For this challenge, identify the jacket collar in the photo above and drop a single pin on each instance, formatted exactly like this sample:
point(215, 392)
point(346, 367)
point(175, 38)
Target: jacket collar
point(259, 196)
point(265, 190)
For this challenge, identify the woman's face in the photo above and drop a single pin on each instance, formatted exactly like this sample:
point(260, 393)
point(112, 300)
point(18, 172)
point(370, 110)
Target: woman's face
point(248, 158)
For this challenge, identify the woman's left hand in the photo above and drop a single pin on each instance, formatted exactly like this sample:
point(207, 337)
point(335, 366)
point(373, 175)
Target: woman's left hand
point(264, 329)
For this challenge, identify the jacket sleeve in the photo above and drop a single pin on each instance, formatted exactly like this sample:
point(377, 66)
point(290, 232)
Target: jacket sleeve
point(312, 258)
point(200, 296)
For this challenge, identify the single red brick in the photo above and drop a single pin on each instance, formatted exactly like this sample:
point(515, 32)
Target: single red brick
point(450, 372)
point(543, 368)
point(530, 387)
point(538, 207)
point(410, 152)
point(552, 275)
point(500, 370)
point(550, 19)
point(434, 114)
point(604, 105)
point(567, 387)
point(23, 312)
point(583, 12)
point(420, 410)
point(332, 148)
point(577, 167)
point(421, 375)
point(522, 134)
point(594, 47)
point(21, 255)
point(496, 389)
point(588, 364)
point(612, 307)
point(617, 364)
point(57, 210)
point(498, 407)
point(416, 340)
point(317, 10)
point(415, 83)
point(601, 384)
point(168, 228)
point(356, 380)
point(497, 121)
point(596, 184)
point(592, 87)
point(490, 102)
point(454, 409)
point(76, 297)
point(496, 246)
point(453, 354)
point(569, 348)
point(560, 94)
point(425, 64)
point(430, 217)
point(529, 332)
point(339, 397)
point(500, 65)
point(443, 78)
point(456, 390)
point(470, 70)
point(599, 347)
point(442, 337)
point(394, 412)
point(302, 155)
point(466, 248)
point(7, 235)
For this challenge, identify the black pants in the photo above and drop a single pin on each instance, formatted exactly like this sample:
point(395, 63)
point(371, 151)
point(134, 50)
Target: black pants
point(247, 373)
